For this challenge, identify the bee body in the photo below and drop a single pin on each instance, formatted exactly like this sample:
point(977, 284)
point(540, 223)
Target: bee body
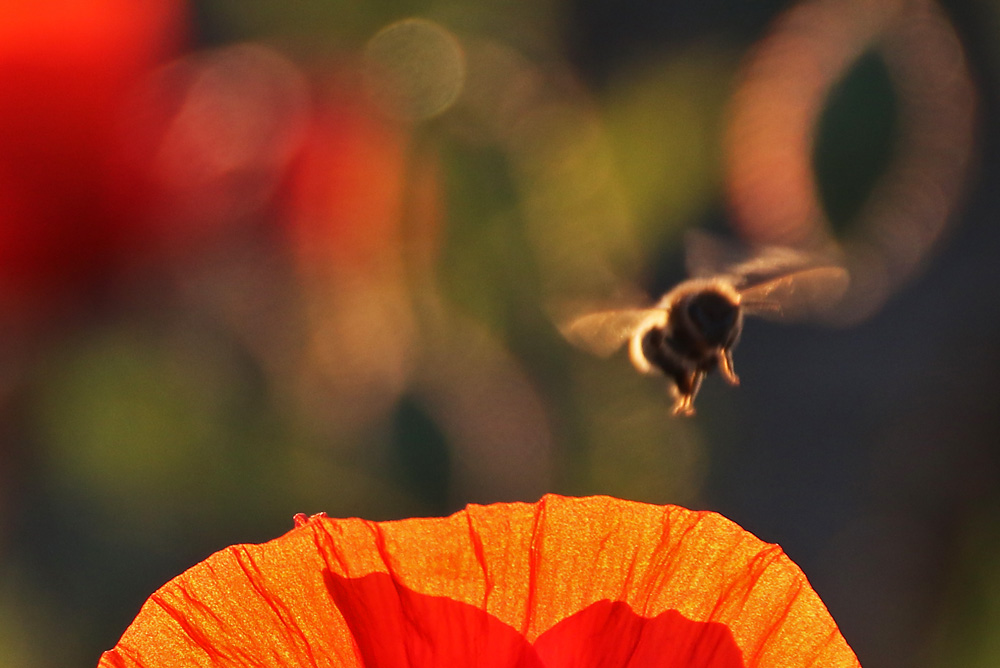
point(704, 322)
point(692, 330)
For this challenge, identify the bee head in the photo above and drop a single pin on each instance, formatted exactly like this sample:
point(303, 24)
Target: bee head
point(716, 316)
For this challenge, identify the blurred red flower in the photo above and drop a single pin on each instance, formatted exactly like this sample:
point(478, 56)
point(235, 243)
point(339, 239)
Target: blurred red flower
point(365, 208)
point(363, 194)
point(349, 189)
point(67, 70)
point(563, 582)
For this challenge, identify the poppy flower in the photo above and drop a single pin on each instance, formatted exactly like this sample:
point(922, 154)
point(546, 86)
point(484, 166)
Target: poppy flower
point(582, 582)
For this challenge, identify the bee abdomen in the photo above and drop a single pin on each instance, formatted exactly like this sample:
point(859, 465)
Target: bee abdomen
point(660, 352)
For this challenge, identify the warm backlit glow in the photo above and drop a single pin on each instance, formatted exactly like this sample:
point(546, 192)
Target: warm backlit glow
point(563, 582)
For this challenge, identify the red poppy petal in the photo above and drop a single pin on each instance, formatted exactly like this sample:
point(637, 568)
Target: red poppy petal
point(611, 634)
point(395, 626)
point(302, 599)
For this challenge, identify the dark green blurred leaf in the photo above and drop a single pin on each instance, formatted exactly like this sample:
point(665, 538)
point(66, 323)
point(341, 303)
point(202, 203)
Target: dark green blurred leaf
point(855, 139)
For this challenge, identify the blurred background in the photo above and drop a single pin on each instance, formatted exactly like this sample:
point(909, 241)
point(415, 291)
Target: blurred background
point(260, 258)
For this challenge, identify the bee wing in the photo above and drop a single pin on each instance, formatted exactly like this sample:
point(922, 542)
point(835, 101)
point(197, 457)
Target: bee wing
point(794, 295)
point(774, 281)
point(707, 255)
point(604, 332)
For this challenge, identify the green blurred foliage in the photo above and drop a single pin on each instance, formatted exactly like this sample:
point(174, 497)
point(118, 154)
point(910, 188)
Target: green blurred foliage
point(665, 119)
point(308, 24)
point(486, 266)
point(855, 139)
point(966, 635)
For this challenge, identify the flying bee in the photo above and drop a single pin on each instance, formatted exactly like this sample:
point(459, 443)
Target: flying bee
point(694, 327)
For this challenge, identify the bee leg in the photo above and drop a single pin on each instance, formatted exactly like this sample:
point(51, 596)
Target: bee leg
point(685, 392)
point(684, 405)
point(726, 366)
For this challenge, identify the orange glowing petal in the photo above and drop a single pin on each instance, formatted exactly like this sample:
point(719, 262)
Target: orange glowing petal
point(564, 582)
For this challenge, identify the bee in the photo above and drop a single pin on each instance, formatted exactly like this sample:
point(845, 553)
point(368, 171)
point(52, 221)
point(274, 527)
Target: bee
point(692, 330)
